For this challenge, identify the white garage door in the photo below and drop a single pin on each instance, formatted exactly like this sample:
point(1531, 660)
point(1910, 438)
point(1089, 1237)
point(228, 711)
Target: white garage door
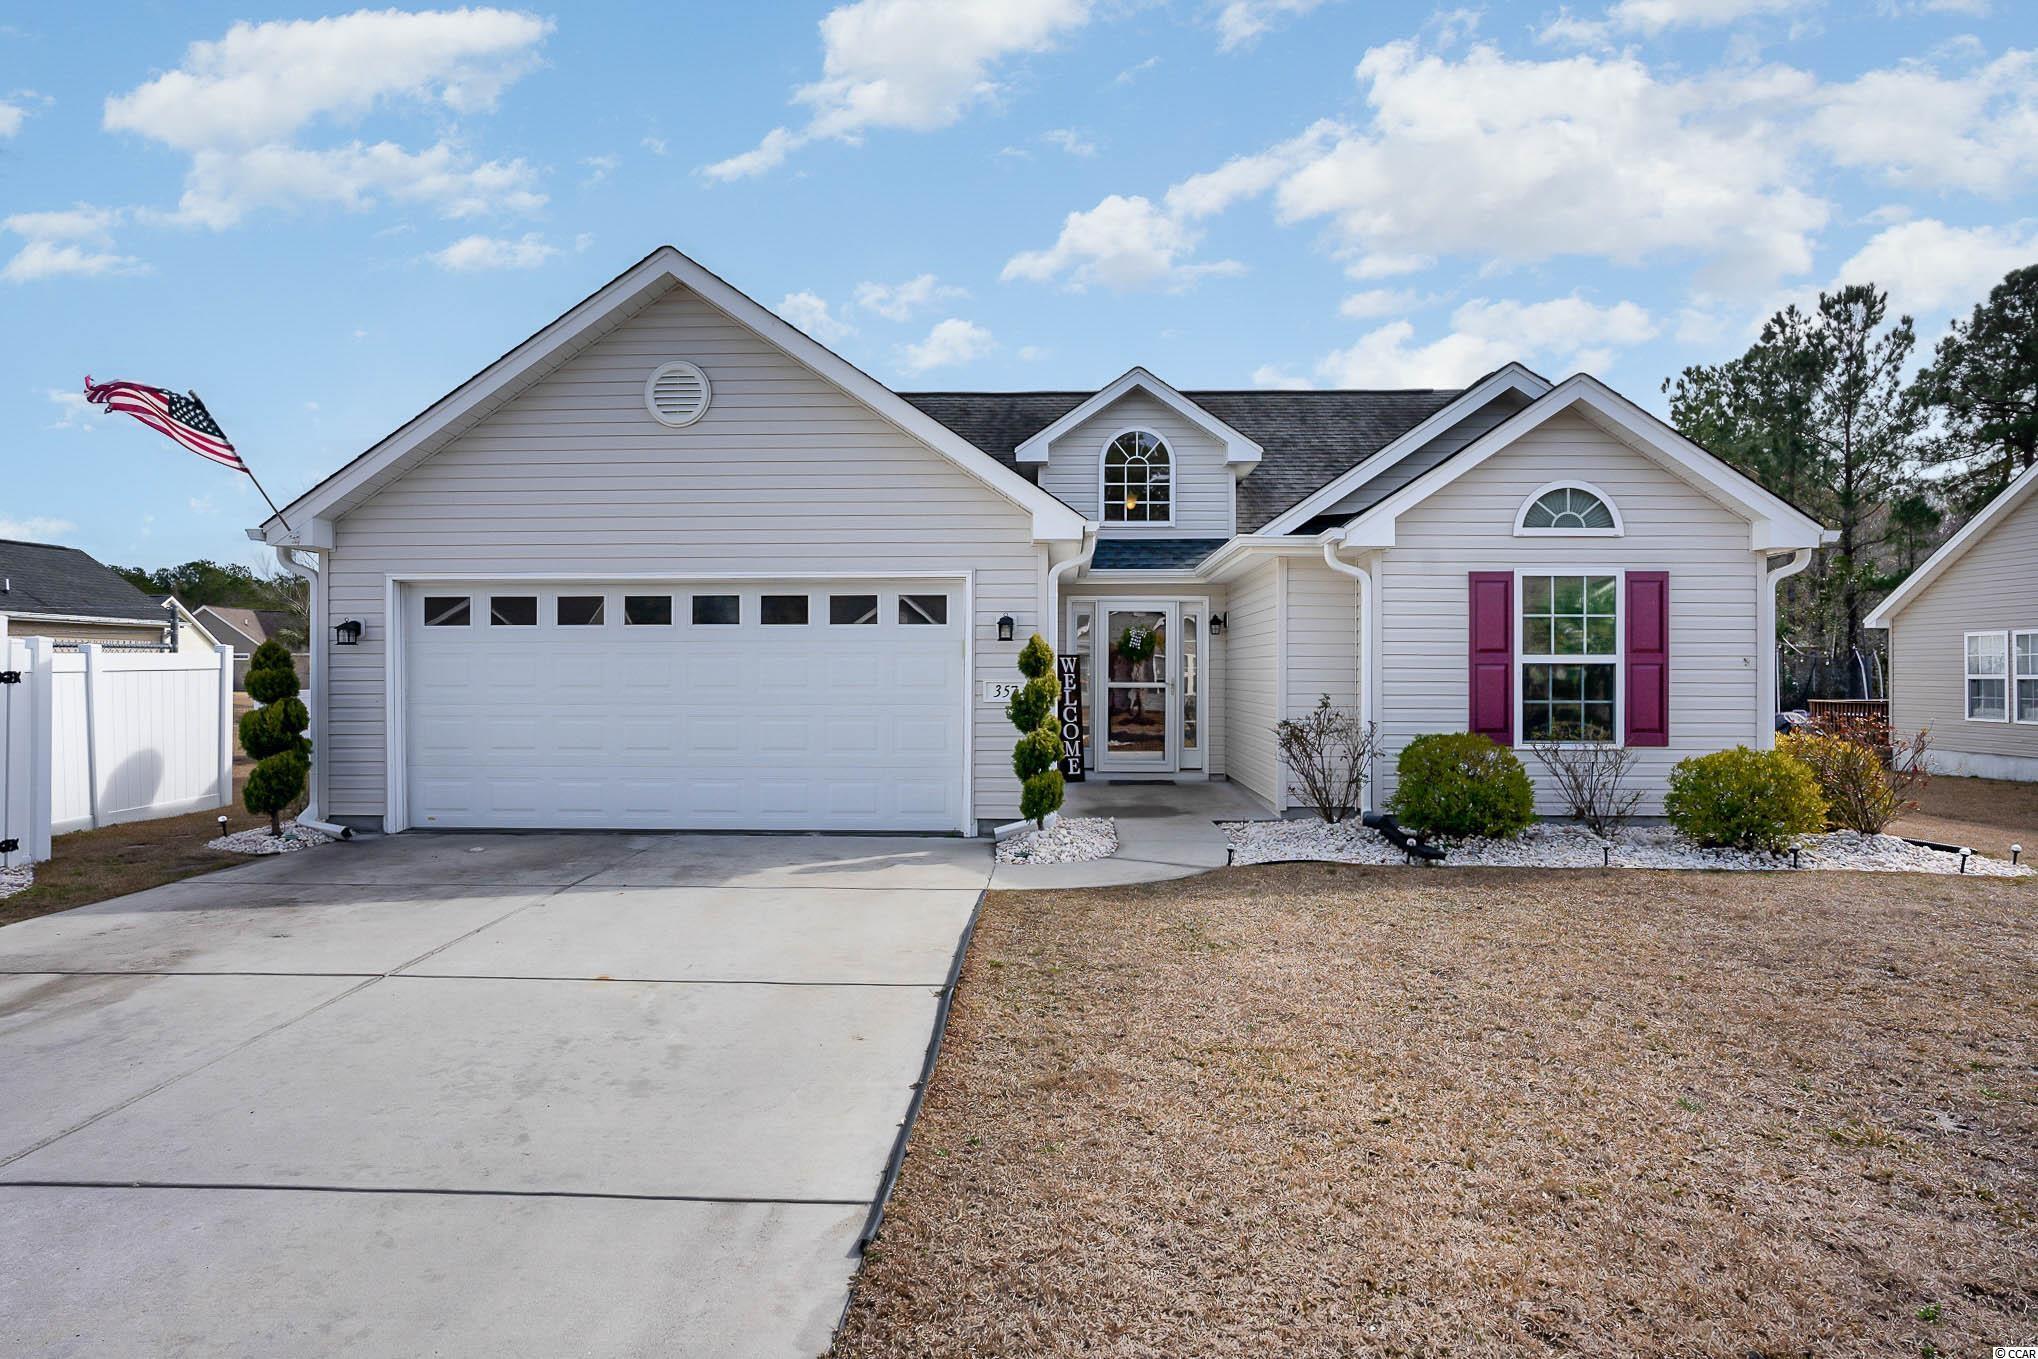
point(796, 706)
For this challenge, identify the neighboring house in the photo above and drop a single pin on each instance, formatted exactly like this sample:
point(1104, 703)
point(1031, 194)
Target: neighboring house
point(60, 592)
point(1963, 642)
point(186, 632)
point(672, 563)
point(245, 629)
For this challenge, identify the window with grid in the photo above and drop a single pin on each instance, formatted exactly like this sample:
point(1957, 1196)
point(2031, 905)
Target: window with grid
point(1988, 676)
point(1568, 509)
point(1570, 657)
point(1137, 485)
point(2024, 655)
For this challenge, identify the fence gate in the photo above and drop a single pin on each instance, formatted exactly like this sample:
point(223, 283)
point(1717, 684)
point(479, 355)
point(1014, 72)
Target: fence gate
point(17, 823)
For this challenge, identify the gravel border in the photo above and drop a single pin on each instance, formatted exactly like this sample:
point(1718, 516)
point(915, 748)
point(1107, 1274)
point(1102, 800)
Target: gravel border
point(1566, 846)
point(259, 841)
point(1071, 840)
point(14, 880)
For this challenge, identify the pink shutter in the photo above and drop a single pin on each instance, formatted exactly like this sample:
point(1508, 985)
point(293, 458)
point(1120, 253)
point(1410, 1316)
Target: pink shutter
point(1648, 658)
point(1492, 655)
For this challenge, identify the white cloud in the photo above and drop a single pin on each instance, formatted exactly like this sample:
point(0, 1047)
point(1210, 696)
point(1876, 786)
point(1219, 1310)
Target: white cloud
point(1031, 353)
point(582, 241)
point(75, 241)
point(73, 410)
point(1653, 16)
point(1123, 244)
point(809, 311)
point(1373, 302)
point(1485, 335)
point(12, 116)
point(1268, 375)
point(1244, 177)
point(472, 253)
point(1388, 266)
point(1242, 21)
point(950, 342)
point(599, 168)
point(655, 145)
point(39, 528)
point(1975, 130)
point(898, 301)
point(1928, 266)
point(238, 106)
point(1135, 71)
point(1070, 140)
point(1568, 30)
point(911, 65)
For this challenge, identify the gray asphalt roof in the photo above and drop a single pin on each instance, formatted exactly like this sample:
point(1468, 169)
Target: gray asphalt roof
point(1309, 438)
point(46, 578)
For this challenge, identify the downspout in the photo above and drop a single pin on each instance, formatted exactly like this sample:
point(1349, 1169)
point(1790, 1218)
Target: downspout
point(1054, 579)
point(315, 643)
point(1363, 627)
point(1800, 558)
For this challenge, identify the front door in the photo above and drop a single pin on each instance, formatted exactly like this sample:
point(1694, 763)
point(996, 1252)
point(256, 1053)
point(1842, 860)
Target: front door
point(1138, 644)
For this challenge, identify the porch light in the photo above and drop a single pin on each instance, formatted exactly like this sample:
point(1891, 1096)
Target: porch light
point(1005, 628)
point(347, 633)
point(1216, 625)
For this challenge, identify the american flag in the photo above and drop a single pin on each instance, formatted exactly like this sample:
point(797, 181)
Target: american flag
point(183, 418)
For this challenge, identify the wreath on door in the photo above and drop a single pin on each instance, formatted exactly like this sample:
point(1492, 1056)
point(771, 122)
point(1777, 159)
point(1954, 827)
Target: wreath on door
point(1136, 645)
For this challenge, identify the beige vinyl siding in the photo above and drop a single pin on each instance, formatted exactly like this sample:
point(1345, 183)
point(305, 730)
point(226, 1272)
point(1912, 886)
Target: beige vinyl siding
point(130, 634)
point(1469, 526)
point(1252, 670)
point(1202, 480)
point(1993, 586)
point(1323, 642)
point(785, 473)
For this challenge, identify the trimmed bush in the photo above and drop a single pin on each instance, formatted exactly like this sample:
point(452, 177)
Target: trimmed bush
point(1038, 753)
point(273, 735)
point(1455, 785)
point(1862, 792)
point(1744, 799)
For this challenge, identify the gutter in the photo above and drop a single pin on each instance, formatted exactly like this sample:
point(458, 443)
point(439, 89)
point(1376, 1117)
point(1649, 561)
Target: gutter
point(315, 643)
point(1054, 580)
point(1331, 540)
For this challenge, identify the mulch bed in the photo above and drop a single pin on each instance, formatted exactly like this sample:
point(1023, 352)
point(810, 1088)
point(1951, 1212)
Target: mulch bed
point(1328, 1110)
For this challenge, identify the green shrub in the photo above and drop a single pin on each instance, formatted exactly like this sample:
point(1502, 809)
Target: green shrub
point(1038, 752)
point(1744, 799)
point(274, 735)
point(1454, 785)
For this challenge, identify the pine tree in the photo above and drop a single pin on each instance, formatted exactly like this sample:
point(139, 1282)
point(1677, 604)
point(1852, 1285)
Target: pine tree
point(273, 735)
point(1982, 384)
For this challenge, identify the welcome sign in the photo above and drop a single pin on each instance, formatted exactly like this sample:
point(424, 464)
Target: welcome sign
point(1069, 713)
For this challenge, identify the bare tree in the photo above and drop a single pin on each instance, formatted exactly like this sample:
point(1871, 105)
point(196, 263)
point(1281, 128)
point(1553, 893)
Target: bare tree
point(1330, 751)
point(1591, 780)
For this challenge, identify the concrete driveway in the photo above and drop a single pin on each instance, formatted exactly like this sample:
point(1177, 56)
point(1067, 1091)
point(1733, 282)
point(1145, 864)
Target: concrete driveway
point(467, 1094)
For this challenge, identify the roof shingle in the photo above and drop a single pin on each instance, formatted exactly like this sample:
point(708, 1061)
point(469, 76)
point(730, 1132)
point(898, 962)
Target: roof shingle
point(48, 579)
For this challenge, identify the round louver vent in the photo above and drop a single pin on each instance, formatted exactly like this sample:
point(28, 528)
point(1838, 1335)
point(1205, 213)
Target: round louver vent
point(677, 394)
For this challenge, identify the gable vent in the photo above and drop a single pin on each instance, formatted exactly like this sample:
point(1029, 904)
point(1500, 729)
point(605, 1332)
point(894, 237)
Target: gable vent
point(677, 394)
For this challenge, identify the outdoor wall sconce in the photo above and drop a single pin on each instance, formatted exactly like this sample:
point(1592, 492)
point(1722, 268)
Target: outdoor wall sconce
point(347, 633)
point(1216, 625)
point(1005, 628)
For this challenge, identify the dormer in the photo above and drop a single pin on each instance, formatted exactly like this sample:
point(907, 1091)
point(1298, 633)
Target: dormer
point(1143, 460)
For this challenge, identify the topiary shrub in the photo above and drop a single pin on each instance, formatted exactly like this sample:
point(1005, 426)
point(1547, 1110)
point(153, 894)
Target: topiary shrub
point(1454, 785)
point(1036, 756)
point(273, 735)
point(1863, 792)
point(1744, 799)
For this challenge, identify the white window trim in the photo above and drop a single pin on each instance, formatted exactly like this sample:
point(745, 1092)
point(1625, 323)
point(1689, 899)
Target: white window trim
point(1967, 675)
point(1174, 487)
point(1521, 530)
point(1619, 659)
point(2016, 675)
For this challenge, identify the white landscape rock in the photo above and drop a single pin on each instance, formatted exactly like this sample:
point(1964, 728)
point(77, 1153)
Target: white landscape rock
point(259, 841)
point(14, 880)
point(1071, 840)
point(1566, 846)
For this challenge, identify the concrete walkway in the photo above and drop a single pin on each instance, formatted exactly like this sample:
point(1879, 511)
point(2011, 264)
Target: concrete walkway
point(1165, 830)
point(489, 1095)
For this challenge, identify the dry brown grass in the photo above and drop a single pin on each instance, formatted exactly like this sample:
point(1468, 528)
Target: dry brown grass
point(1314, 1110)
point(1988, 815)
point(95, 865)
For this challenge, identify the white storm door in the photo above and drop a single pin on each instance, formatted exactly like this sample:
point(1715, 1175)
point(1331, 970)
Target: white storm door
point(1137, 718)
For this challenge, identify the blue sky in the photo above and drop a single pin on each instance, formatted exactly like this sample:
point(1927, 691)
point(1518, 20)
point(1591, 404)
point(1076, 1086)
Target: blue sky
point(322, 220)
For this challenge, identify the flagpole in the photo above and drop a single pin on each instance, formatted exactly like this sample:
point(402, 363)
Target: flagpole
point(252, 477)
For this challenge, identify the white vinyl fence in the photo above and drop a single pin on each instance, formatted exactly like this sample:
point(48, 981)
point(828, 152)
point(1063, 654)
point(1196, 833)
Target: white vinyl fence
point(97, 736)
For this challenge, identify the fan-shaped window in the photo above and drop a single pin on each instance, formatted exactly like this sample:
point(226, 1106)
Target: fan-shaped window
point(1571, 509)
point(1138, 488)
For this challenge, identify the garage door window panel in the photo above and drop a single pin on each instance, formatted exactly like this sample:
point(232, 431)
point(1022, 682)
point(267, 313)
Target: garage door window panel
point(447, 611)
point(513, 611)
point(580, 611)
point(923, 610)
point(783, 611)
point(852, 610)
point(717, 610)
point(647, 611)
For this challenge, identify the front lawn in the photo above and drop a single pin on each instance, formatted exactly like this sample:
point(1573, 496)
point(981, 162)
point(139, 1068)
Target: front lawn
point(1317, 1110)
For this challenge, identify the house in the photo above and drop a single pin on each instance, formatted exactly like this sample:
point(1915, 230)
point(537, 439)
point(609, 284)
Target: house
point(670, 562)
point(1963, 642)
point(245, 629)
point(63, 593)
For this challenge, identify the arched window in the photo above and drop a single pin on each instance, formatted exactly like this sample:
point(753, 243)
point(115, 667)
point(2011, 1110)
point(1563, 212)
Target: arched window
point(1570, 509)
point(1137, 484)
